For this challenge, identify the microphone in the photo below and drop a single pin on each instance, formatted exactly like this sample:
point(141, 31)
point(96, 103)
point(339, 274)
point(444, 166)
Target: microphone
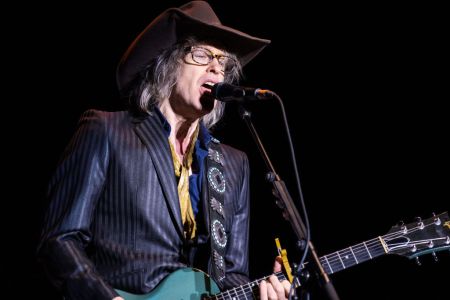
point(226, 92)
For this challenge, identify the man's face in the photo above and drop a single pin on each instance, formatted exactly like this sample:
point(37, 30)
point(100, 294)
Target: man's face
point(191, 96)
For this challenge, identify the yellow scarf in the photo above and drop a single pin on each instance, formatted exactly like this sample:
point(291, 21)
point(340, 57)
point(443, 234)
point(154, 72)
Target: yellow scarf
point(182, 174)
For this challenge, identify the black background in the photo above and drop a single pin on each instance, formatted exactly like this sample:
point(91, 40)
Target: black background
point(364, 87)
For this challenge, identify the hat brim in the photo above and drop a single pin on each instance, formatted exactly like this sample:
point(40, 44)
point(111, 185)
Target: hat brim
point(172, 26)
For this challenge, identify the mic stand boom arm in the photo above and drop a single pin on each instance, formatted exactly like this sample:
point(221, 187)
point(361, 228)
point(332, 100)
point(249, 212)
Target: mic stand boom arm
point(289, 210)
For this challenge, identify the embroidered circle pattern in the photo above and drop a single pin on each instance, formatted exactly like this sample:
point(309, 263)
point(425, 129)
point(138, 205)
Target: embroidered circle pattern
point(218, 259)
point(218, 233)
point(216, 180)
point(215, 156)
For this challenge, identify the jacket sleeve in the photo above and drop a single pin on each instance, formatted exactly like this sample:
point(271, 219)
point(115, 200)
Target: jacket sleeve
point(73, 193)
point(237, 251)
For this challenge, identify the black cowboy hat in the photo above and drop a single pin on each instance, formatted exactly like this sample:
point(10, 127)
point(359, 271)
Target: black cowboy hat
point(196, 19)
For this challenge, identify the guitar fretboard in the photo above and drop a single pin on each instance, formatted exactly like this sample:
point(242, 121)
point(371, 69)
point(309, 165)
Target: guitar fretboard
point(248, 291)
point(351, 256)
point(422, 237)
point(331, 263)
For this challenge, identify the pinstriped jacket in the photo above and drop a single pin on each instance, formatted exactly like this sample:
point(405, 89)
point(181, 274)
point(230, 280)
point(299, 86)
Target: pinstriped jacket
point(114, 218)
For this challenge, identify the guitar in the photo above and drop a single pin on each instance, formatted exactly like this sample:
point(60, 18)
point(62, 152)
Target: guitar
point(411, 240)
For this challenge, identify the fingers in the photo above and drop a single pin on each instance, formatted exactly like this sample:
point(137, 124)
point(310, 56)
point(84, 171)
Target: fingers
point(277, 265)
point(266, 291)
point(263, 290)
point(273, 289)
point(277, 288)
point(286, 286)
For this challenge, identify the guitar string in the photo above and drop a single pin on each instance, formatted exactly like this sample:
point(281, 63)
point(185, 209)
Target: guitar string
point(245, 289)
point(356, 250)
point(385, 237)
point(250, 285)
point(374, 245)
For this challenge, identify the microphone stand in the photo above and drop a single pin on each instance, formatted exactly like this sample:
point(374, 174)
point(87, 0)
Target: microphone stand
point(290, 211)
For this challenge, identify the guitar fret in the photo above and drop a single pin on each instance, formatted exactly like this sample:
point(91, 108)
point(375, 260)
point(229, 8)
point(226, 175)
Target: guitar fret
point(354, 255)
point(361, 252)
point(254, 286)
point(328, 263)
point(336, 262)
point(324, 264)
point(233, 296)
point(367, 250)
point(235, 293)
point(350, 256)
point(246, 290)
point(245, 296)
point(340, 259)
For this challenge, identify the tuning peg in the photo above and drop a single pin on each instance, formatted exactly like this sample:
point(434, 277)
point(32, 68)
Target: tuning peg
point(437, 220)
point(418, 261)
point(430, 244)
point(434, 256)
point(402, 226)
point(420, 223)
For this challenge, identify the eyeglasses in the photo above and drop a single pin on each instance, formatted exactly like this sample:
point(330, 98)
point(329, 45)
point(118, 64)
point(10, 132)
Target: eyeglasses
point(203, 57)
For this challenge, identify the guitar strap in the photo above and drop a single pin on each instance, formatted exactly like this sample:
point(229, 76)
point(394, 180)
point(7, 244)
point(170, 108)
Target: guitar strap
point(216, 194)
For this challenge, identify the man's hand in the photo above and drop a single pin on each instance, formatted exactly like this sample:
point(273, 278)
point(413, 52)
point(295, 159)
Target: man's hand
point(273, 289)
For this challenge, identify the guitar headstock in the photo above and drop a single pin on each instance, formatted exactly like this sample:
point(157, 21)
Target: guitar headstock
point(421, 237)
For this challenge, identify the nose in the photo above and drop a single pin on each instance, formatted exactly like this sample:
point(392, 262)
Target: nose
point(215, 67)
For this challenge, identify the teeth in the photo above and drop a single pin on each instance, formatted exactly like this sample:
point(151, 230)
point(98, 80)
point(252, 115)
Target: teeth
point(208, 84)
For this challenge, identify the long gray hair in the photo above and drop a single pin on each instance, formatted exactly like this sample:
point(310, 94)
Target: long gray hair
point(159, 78)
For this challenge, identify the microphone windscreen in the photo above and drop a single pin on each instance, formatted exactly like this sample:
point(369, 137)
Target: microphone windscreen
point(225, 91)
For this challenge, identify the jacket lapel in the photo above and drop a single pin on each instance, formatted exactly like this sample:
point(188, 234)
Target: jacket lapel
point(152, 134)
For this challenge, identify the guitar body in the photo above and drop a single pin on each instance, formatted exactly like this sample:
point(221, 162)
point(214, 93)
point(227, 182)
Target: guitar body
point(183, 284)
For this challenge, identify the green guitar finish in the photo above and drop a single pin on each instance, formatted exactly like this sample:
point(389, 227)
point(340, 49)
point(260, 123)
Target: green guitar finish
point(183, 284)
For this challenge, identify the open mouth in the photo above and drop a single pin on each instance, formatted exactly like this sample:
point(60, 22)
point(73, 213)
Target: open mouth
point(207, 97)
point(208, 85)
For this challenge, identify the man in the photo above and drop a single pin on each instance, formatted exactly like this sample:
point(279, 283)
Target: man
point(141, 194)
